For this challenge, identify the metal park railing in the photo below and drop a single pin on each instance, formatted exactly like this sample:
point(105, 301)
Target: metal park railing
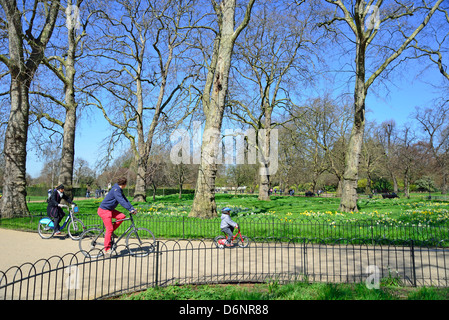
point(77, 277)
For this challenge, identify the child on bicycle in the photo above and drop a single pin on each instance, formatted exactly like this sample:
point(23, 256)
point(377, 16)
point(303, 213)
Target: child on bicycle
point(227, 225)
point(107, 210)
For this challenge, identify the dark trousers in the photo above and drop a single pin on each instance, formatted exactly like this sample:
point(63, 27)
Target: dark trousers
point(229, 231)
point(57, 214)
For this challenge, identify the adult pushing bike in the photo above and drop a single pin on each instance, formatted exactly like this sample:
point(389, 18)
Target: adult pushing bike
point(95, 242)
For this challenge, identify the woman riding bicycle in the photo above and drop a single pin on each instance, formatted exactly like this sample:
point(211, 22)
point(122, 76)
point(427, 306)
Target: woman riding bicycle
point(107, 210)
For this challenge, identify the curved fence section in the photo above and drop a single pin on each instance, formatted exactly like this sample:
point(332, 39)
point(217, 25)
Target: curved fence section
point(76, 277)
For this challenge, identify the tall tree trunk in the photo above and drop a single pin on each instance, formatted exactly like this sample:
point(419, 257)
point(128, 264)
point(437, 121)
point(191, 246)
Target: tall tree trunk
point(444, 184)
point(213, 106)
point(68, 143)
point(142, 163)
point(145, 145)
point(14, 184)
point(142, 153)
point(264, 153)
point(406, 183)
point(204, 202)
point(68, 150)
point(348, 200)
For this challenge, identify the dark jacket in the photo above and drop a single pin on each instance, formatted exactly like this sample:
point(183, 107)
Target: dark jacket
point(52, 208)
point(114, 197)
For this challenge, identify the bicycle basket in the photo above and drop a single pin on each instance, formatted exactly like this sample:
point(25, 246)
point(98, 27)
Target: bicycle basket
point(47, 221)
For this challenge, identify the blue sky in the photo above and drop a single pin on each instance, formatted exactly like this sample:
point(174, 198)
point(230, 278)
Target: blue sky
point(88, 142)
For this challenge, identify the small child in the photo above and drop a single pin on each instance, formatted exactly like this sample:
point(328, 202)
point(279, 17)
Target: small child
point(227, 225)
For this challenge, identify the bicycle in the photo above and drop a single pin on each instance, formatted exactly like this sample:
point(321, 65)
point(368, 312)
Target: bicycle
point(242, 241)
point(75, 226)
point(139, 241)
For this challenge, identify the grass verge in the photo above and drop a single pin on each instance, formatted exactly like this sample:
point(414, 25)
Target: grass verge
point(291, 291)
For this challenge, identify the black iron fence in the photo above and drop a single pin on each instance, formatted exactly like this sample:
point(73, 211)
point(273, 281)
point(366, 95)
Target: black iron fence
point(75, 277)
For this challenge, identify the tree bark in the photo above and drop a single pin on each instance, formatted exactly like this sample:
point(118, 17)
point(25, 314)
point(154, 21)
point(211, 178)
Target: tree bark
point(22, 72)
point(142, 153)
point(213, 106)
point(348, 201)
point(14, 185)
point(68, 143)
point(68, 150)
point(264, 172)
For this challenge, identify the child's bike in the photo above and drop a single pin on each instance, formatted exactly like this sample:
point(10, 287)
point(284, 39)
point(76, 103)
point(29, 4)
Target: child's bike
point(222, 241)
point(140, 242)
point(75, 227)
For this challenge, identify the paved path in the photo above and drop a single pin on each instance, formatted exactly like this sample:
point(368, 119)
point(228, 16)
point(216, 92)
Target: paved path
point(17, 247)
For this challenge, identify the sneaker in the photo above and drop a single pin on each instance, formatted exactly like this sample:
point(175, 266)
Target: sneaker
point(57, 232)
point(107, 254)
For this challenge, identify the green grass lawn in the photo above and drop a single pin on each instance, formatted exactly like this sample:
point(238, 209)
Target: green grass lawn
point(280, 206)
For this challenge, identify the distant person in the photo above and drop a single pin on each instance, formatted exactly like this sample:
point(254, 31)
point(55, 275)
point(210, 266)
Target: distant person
point(107, 210)
point(54, 209)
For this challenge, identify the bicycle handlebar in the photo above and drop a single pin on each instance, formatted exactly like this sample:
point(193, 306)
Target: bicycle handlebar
point(66, 206)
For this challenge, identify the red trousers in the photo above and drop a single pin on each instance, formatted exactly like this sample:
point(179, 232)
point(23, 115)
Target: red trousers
point(107, 216)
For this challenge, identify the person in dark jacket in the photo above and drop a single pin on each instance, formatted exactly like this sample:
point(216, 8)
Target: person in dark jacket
point(107, 210)
point(54, 209)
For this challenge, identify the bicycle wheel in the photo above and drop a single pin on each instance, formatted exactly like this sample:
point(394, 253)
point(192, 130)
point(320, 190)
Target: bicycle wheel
point(243, 241)
point(216, 239)
point(75, 229)
point(91, 242)
point(140, 242)
point(46, 228)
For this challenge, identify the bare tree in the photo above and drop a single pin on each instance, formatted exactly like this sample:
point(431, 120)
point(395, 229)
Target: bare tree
point(213, 100)
point(26, 51)
point(373, 156)
point(63, 65)
point(322, 125)
point(274, 56)
point(434, 122)
point(387, 136)
point(366, 20)
point(435, 45)
point(407, 156)
point(142, 43)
